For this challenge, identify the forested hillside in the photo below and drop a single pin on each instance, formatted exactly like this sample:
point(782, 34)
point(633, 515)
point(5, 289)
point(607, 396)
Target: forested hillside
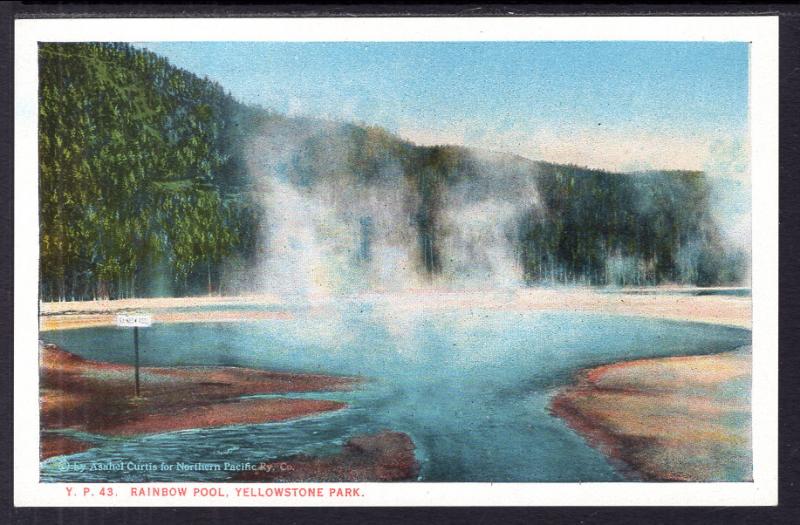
point(639, 229)
point(146, 188)
point(142, 187)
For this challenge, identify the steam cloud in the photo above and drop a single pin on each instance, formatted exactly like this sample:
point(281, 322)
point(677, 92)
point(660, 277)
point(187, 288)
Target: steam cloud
point(339, 222)
point(327, 231)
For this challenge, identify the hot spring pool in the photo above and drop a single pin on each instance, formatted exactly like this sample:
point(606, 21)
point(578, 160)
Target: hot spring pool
point(470, 387)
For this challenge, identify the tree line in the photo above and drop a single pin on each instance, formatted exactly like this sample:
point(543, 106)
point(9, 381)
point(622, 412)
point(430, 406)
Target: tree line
point(144, 190)
point(604, 228)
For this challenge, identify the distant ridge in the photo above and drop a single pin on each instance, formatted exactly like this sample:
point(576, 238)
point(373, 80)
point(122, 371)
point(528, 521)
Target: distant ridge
point(154, 181)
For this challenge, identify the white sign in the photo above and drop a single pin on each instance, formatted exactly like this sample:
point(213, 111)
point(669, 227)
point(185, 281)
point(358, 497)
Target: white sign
point(130, 320)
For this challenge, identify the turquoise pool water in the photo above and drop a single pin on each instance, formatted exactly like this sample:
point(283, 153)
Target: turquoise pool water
point(471, 387)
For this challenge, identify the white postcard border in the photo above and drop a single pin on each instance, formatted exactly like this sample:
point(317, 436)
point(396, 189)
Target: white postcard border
point(762, 32)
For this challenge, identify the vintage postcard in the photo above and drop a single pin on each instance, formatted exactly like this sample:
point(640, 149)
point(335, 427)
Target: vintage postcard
point(485, 261)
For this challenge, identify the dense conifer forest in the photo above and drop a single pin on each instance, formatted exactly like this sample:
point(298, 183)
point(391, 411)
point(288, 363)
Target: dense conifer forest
point(145, 190)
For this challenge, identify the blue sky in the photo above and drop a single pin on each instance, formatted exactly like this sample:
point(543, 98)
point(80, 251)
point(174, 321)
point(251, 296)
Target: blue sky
point(614, 105)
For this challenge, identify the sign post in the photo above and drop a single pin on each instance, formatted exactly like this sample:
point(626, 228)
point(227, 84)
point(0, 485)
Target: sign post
point(135, 321)
point(136, 359)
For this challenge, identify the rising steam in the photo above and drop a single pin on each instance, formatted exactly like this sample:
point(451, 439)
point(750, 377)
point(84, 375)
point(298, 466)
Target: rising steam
point(328, 231)
point(347, 214)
